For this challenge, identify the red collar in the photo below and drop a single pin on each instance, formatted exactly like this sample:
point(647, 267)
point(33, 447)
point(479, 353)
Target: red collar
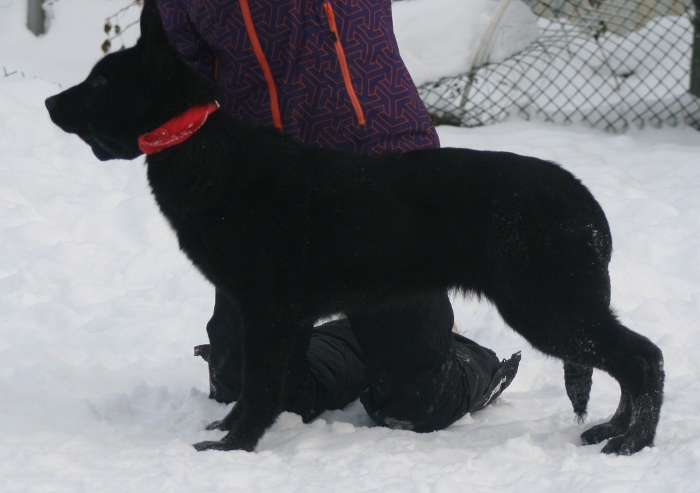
point(177, 130)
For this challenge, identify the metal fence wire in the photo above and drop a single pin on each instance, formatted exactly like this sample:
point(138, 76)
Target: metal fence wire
point(611, 64)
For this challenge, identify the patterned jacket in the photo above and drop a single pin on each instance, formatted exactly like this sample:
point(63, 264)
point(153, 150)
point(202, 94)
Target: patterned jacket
point(326, 72)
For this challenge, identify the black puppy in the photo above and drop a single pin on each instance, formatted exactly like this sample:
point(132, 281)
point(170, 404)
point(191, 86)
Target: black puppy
point(293, 234)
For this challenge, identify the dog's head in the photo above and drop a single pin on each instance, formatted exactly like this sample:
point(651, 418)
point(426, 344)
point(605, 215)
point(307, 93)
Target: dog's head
point(131, 92)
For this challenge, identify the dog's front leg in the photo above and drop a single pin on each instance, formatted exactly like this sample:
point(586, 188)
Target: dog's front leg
point(275, 343)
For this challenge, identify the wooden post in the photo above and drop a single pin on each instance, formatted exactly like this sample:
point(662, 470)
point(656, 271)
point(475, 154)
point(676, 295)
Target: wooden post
point(695, 60)
point(36, 17)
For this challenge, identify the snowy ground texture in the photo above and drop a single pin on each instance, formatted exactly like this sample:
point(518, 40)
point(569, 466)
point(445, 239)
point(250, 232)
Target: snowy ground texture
point(99, 312)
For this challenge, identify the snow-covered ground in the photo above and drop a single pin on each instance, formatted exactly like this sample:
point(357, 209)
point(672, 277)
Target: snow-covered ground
point(99, 311)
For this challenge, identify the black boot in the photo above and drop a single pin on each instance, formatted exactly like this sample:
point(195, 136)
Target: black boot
point(501, 380)
point(224, 354)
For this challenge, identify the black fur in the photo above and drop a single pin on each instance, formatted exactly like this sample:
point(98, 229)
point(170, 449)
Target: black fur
point(293, 234)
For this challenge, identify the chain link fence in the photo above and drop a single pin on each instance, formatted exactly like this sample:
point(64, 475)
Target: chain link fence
point(608, 63)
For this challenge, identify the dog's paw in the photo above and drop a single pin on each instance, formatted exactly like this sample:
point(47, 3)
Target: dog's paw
point(224, 444)
point(213, 445)
point(207, 445)
point(600, 433)
point(621, 441)
point(625, 445)
point(218, 425)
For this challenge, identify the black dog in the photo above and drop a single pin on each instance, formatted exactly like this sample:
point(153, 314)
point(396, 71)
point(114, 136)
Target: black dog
point(293, 234)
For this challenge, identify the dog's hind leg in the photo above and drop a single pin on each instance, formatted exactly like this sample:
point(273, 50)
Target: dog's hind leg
point(593, 337)
point(578, 380)
point(639, 370)
point(275, 343)
point(637, 364)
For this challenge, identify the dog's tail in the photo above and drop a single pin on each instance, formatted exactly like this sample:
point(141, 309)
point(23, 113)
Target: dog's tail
point(578, 380)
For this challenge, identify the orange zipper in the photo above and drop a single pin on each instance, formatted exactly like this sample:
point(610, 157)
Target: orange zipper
point(257, 48)
point(344, 63)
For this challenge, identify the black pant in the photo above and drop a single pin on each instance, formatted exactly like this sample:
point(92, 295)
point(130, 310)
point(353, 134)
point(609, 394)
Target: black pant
point(403, 361)
point(337, 372)
point(421, 375)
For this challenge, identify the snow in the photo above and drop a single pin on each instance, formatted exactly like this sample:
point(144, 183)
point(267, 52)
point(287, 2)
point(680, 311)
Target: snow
point(99, 311)
point(441, 38)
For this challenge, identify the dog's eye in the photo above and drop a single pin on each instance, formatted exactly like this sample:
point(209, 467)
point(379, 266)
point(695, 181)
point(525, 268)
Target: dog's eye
point(98, 82)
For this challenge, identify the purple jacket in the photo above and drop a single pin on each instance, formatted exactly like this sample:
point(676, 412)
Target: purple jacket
point(326, 72)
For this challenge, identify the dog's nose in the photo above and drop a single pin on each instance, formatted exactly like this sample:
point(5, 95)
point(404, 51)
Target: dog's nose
point(51, 103)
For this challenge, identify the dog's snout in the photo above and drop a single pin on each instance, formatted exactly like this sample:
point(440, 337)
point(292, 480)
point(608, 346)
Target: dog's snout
point(51, 103)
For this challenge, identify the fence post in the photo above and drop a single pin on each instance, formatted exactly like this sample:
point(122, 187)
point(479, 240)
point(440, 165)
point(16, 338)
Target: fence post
point(36, 17)
point(695, 60)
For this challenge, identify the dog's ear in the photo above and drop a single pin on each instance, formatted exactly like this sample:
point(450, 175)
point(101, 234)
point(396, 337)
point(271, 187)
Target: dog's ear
point(158, 53)
point(148, 13)
point(164, 69)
